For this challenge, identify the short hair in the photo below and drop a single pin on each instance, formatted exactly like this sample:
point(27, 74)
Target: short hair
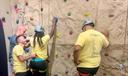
point(19, 37)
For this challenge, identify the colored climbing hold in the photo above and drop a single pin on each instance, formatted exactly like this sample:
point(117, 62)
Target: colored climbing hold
point(31, 19)
point(87, 0)
point(66, 72)
point(26, 3)
point(15, 6)
point(7, 12)
point(58, 34)
point(87, 14)
point(41, 9)
point(69, 14)
point(69, 55)
point(71, 32)
point(56, 75)
point(17, 21)
point(106, 54)
point(3, 19)
point(111, 15)
point(65, 0)
point(56, 54)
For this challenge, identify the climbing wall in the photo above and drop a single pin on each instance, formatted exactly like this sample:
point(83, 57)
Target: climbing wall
point(112, 16)
point(109, 15)
point(71, 15)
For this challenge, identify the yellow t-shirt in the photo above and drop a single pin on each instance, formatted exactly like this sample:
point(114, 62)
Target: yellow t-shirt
point(91, 42)
point(40, 52)
point(18, 65)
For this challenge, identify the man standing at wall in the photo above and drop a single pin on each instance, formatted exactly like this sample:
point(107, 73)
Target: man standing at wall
point(87, 49)
point(20, 58)
point(21, 30)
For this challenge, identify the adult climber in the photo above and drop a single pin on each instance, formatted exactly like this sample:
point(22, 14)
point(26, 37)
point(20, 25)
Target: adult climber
point(21, 30)
point(87, 49)
point(20, 57)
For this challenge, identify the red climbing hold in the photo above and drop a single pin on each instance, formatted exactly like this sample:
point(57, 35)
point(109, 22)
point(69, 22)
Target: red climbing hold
point(71, 32)
point(26, 3)
point(15, 6)
point(31, 19)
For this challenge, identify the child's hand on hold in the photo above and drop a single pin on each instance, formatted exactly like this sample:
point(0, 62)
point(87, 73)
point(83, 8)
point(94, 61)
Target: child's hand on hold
point(55, 20)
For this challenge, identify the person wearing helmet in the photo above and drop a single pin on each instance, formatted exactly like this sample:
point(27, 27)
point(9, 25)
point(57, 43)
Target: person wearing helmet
point(39, 44)
point(87, 49)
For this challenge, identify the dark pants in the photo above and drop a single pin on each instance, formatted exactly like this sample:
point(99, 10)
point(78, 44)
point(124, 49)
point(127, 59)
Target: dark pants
point(89, 71)
point(39, 68)
point(28, 73)
point(37, 73)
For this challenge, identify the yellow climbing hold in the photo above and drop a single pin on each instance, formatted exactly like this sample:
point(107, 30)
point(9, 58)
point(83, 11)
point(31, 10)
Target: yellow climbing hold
point(87, 14)
point(58, 34)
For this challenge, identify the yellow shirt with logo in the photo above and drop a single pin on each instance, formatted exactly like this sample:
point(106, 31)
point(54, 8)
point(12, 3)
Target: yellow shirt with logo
point(40, 52)
point(18, 66)
point(91, 42)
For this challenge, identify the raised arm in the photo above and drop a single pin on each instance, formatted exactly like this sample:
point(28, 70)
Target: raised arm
point(54, 22)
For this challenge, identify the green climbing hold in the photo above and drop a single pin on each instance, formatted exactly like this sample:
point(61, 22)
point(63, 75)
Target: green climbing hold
point(65, 0)
point(69, 14)
point(17, 21)
point(7, 12)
